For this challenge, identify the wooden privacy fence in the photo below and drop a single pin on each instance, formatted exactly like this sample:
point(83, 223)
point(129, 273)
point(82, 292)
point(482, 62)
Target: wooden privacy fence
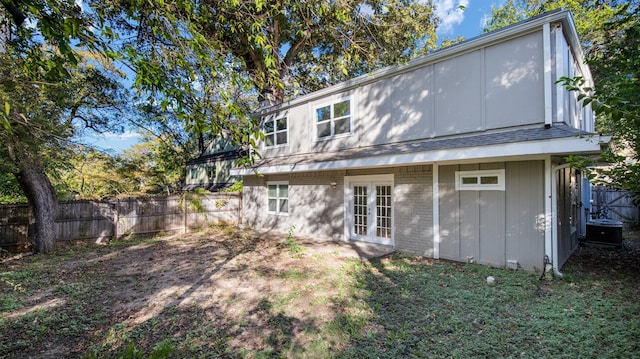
point(101, 220)
point(614, 204)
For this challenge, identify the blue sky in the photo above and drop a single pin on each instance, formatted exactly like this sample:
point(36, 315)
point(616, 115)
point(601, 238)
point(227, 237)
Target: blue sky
point(468, 22)
point(454, 22)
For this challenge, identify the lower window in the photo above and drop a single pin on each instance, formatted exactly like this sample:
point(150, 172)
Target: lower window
point(480, 180)
point(278, 197)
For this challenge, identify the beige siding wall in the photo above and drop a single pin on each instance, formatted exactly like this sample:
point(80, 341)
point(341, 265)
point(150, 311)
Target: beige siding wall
point(525, 213)
point(492, 87)
point(317, 209)
point(493, 227)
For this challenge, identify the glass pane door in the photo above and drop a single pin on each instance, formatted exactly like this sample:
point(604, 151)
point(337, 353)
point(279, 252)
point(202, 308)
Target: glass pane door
point(383, 212)
point(372, 211)
point(360, 210)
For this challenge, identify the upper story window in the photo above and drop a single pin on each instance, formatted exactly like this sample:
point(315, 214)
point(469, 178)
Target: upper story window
point(480, 180)
point(276, 132)
point(194, 173)
point(334, 119)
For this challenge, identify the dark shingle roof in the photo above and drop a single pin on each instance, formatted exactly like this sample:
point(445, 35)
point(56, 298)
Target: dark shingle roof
point(485, 139)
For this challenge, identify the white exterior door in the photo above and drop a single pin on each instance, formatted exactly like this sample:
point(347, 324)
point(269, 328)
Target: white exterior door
point(369, 212)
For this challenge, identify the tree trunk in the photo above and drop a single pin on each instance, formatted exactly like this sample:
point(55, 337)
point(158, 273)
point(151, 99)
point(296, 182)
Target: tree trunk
point(41, 196)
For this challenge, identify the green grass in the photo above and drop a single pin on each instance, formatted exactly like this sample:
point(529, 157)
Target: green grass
point(398, 306)
point(448, 310)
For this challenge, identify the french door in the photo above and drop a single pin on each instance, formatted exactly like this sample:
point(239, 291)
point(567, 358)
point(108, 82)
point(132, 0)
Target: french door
point(370, 211)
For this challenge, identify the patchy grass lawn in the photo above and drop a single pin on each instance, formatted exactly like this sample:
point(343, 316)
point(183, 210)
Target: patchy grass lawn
point(225, 293)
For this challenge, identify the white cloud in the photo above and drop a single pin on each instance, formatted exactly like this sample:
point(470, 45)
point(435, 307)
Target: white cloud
point(450, 13)
point(484, 20)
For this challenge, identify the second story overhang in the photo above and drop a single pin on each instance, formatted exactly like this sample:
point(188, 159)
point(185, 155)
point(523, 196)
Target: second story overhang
point(538, 142)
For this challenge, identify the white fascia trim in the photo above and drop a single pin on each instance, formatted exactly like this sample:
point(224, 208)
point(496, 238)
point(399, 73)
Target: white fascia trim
point(473, 44)
point(548, 84)
point(575, 145)
point(549, 217)
point(561, 61)
point(436, 212)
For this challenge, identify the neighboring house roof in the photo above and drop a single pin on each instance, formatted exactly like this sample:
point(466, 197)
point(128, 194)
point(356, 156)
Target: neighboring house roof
point(519, 142)
point(226, 155)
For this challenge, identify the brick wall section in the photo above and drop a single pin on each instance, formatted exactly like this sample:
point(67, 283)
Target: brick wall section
point(413, 205)
point(317, 209)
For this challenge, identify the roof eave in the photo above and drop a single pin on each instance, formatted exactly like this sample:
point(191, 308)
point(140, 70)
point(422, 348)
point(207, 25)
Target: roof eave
point(583, 145)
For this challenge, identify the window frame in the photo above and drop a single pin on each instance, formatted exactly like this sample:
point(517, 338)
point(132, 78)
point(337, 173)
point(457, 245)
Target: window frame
point(211, 171)
point(278, 211)
point(195, 173)
point(274, 120)
point(478, 185)
point(332, 119)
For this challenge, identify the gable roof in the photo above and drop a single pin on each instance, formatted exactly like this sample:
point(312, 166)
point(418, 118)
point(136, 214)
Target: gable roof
point(539, 140)
point(491, 38)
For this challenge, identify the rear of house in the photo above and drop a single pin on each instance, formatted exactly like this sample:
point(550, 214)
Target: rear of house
point(458, 154)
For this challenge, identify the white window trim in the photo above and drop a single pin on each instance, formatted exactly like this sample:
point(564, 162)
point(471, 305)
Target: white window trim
point(332, 119)
point(478, 186)
point(348, 203)
point(278, 213)
point(275, 131)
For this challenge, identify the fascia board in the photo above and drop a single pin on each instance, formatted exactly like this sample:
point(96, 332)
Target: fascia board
point(573, 145)
point(472, 44)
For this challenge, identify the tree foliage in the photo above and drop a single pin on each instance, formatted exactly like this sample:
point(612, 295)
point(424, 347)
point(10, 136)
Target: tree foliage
point(183, 51)
point(45, 89)
point(208, 64)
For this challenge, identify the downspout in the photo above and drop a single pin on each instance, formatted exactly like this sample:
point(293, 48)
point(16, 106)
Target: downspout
point(554, 218)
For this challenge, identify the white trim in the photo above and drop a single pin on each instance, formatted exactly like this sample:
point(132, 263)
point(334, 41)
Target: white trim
point(278, 213)
point(559, 62)
point(492, 153)
point(470, 45)
point(548, 85)
point(548, 209)
point(348, 198)
point(436, 212)
point(332, 119)
point(274, 119)
point(478, 186)
point(554, 212)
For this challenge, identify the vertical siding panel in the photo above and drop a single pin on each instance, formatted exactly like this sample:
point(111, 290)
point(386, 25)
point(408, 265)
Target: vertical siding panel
point(492, 223)
point(449, 214)
point(469, 219)
point(525, 214)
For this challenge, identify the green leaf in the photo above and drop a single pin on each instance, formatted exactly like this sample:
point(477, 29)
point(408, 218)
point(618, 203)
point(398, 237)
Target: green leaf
point(7, 108)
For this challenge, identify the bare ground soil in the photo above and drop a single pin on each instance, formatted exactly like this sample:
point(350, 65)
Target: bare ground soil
point(217, 293)
point(220, 287)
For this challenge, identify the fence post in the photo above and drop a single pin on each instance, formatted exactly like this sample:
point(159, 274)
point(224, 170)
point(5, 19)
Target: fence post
point(184, 207)
point(116, 218)
point(240, 208)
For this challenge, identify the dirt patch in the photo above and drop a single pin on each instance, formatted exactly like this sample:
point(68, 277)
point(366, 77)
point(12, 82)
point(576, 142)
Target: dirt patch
point(224, 286)
point(225, 293)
